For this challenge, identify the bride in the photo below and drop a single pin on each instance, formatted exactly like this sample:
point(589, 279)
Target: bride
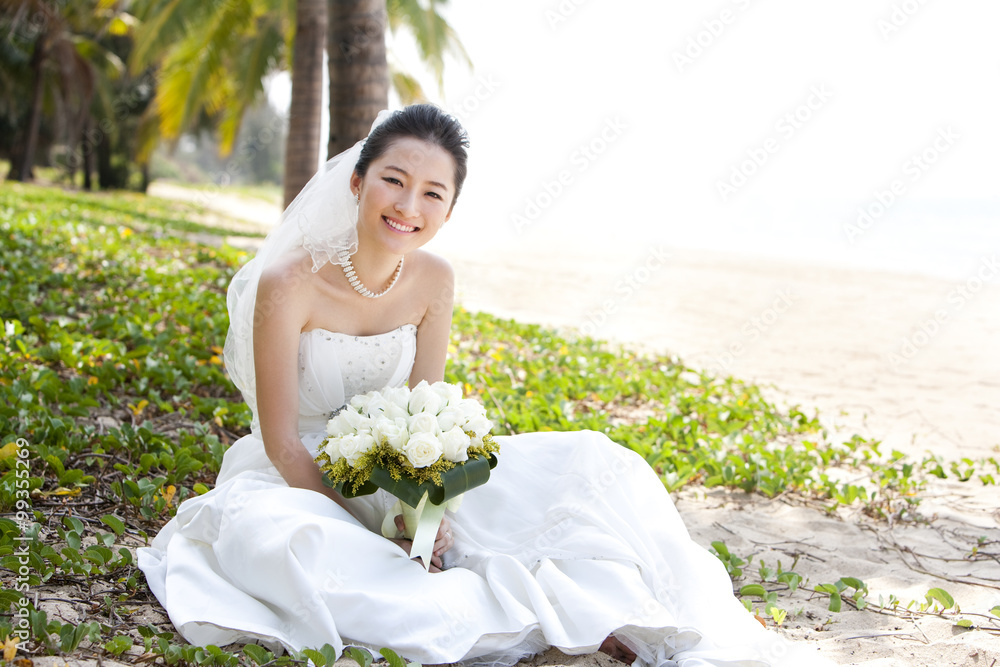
point(574, 542)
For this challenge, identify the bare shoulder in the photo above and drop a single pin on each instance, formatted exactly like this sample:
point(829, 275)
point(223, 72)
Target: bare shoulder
point(431, 268)
point(286, 292)
point(290, 272)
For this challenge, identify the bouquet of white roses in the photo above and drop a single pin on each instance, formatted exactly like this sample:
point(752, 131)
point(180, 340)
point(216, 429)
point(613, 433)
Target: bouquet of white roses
point(426, 446)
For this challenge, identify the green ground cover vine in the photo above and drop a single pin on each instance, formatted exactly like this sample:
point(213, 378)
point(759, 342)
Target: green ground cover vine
point(112, 391)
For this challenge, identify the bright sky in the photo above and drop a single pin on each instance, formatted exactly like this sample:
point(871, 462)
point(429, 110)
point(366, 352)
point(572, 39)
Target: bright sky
point(747, 125)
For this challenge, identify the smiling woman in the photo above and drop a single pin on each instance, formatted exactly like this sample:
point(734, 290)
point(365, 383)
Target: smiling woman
point(574, 542)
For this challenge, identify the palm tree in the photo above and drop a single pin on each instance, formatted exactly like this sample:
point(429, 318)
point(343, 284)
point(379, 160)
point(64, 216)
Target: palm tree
point(55, 67)
point(214, 57)
point(302, 147)
point(359, 69)
point(61, 64)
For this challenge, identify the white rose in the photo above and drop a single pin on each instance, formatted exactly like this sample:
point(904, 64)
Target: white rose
point(352, 447)
point(393, 411)
point(339, 425)
point(455, 443)
point(470, 408)
point(332, 449)
point(424, 423)
point(479, 425)
point(359, 401)
point(424, 399)
point(394, 432)
point(376, 407)
point(350, 417)
point(422, 450)
point(449, 417)
point(358, 422)
point(398, 396)
point(451, 393)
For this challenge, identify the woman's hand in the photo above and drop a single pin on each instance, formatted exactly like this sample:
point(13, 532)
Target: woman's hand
point(442, 543)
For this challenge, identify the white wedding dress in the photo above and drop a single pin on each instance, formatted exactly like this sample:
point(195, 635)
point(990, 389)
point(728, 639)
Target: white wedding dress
point(574, 538)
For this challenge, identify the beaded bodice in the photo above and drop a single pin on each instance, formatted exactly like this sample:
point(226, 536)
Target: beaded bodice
point(333, 367)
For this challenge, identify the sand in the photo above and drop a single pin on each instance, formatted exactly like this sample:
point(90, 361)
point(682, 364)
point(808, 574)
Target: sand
point(909, 360)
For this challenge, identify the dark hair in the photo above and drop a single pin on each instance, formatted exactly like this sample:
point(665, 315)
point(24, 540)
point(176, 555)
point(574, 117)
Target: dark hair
point(420, 121)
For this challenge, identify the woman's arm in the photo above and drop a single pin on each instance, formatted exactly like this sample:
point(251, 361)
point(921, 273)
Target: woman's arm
point(282, 308)
point(434, 330)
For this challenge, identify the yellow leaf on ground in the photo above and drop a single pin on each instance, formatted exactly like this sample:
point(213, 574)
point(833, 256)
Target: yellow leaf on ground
point(168, 494)
point(60, 491)
point(9, 450)
point(10, 648)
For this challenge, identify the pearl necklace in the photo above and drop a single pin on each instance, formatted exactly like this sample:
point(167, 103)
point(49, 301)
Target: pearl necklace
point(359, 287)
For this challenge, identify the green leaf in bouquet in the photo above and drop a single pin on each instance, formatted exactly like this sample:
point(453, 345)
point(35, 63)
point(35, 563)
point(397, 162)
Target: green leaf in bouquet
point(345, 488)
point(468, 475)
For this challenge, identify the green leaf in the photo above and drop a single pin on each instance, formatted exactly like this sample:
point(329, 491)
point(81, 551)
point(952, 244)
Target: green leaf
point(392, 658)
point(856, 584)
point(996, 610)
point(114, 523)
point(964, 623)
point(942, 596)
point(721, 548)
point(118, 645)
point(468, 475)
point(360, 655)
point(258, 654)
point(753, 589)
point(791, 579)
point(329, 652)
point(316, 657)
point(67, 637)
point(833, 592)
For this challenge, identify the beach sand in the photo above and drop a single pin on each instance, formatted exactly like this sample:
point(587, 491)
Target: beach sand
point(909, 360)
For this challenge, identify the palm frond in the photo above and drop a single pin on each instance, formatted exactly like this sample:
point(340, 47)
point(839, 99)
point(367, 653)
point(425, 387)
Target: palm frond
point(434, 36)
point(407, 87)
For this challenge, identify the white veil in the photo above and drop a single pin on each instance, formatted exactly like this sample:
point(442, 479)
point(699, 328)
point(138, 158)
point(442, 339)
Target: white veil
point(323, 219)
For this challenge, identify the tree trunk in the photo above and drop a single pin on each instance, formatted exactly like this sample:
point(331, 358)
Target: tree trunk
point(87, 149)
point(305, 114)
point(21, 169)
point(359, 72)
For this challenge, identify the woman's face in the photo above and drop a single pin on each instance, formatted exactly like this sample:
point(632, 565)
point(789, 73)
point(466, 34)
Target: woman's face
point(406, 195)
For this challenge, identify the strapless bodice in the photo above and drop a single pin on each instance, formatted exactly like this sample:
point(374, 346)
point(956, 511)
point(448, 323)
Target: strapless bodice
point(333, 367)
